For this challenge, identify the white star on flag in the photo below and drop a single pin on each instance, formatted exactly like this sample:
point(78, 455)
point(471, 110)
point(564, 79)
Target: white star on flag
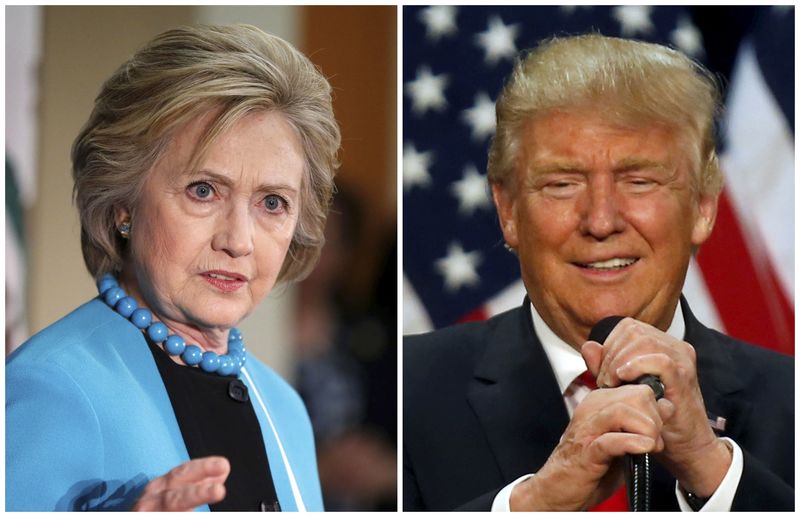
point(439, 20)
point(687, 38)
point(481, 117)
point(459, 267)
point(569, 9)
point(498, 40)
point(427, 91)
point(633, 19)
point(471, 190)
point(415, 167)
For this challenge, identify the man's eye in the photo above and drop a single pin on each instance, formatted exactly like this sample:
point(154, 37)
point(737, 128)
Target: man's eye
point(641, 183)
point(561, 188)
point(274, 203)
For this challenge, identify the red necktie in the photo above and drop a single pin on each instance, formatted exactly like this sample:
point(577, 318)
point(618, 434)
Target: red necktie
point(618, 502)
point(587, 379)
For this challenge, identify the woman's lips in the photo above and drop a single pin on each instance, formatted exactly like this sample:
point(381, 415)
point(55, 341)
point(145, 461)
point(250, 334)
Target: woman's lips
point(225, 281)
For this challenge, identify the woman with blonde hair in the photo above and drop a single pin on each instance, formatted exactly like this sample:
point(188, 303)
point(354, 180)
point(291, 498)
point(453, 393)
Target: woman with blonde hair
point(203, 178)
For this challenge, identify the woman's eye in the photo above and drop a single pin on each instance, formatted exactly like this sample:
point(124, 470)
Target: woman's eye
point(201, 190)
point(274, 203)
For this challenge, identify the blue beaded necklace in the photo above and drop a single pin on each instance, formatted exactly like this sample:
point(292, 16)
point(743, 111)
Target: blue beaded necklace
point(229, 364)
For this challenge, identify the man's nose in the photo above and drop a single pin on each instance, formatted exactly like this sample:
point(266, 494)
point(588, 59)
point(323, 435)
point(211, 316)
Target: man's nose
point(235, 232)
point(601, 216)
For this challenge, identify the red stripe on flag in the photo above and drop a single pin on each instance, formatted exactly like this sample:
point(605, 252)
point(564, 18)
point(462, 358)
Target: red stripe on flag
point(744, 287)
point(478, 314)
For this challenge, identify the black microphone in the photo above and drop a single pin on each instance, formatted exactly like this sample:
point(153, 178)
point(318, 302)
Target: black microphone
point(600, 333)
point(638, 471)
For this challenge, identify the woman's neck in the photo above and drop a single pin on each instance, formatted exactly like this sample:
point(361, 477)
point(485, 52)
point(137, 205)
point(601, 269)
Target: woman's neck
point(208, 339)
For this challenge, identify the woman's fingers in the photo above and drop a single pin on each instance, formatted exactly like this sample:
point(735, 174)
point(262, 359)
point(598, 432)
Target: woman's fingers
point(187, 486)
point(183, 499)
point(211, 468)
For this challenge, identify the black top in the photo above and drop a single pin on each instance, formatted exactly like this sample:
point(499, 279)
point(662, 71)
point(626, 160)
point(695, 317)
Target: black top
point(216, 417)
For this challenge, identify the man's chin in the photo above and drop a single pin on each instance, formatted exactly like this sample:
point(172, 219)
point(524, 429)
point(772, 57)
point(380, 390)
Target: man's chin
point(598, 308)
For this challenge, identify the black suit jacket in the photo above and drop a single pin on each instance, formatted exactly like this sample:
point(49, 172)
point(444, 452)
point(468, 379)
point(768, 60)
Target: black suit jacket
point(481, 407)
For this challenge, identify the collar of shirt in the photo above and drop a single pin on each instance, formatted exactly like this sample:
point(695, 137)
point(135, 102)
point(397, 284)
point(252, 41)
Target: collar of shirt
point(567, 363)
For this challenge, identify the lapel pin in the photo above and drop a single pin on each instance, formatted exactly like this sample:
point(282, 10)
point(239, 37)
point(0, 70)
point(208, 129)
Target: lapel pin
point(718, 423)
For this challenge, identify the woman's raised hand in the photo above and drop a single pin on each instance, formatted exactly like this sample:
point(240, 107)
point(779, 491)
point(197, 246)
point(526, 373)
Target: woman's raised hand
point(187, 486)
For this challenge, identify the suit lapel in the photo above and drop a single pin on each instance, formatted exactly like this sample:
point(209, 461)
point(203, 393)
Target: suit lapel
point(718, 375)
point(515, 396)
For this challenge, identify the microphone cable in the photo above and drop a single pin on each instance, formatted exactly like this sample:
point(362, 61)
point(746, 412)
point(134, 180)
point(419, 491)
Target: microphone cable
point(638, 480)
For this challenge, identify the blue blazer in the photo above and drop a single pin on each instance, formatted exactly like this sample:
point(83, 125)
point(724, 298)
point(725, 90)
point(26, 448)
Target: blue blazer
point(89, 422)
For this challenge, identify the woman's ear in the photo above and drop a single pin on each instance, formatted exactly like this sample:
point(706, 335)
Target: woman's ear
point(121, 215)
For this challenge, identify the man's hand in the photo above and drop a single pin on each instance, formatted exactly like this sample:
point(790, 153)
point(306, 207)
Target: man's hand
point(187, 486)
point(692, 453)
point(585, 468)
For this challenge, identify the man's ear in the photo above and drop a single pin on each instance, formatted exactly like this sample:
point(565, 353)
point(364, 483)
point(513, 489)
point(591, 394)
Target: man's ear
point(506, 210)
point(705, 218)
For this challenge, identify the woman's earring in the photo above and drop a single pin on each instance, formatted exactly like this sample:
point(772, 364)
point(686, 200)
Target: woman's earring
point(124, 229)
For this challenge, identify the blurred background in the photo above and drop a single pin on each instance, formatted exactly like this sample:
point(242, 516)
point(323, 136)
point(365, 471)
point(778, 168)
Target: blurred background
point(455, 60)
point(334, 335)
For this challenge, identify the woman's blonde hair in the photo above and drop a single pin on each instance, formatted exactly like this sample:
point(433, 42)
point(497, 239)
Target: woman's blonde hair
point(230, 71)
point(628, 82)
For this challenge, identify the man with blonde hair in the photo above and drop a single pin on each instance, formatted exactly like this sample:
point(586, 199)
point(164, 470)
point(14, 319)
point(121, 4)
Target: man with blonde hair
point(604, 174)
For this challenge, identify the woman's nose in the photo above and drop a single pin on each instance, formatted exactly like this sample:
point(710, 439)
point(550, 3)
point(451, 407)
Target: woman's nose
point(234, 233)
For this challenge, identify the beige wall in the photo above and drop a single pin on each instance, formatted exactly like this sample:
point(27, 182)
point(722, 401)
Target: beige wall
point(82, 47)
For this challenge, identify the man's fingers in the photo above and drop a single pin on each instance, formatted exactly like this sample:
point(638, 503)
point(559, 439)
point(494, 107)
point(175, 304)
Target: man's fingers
point(625, 418)
point(209, 469)
point(665, 409)
point(592, 353)
point(608, 446)
point(658, 364)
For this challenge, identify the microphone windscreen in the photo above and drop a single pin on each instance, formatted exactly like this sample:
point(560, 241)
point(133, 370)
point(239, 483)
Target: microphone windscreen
point(603, 328)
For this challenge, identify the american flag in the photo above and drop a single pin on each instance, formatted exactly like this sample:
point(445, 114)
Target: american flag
point(454, 62)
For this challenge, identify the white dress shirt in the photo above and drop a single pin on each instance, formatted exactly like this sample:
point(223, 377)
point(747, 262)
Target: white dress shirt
point(568, 364)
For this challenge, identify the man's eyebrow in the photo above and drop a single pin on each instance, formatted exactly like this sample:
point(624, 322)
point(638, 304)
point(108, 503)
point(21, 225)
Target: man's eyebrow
point(556, 167)
point(624, 165)
point(627, 164)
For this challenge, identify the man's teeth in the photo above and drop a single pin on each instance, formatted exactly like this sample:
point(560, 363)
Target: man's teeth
point(611, 263)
